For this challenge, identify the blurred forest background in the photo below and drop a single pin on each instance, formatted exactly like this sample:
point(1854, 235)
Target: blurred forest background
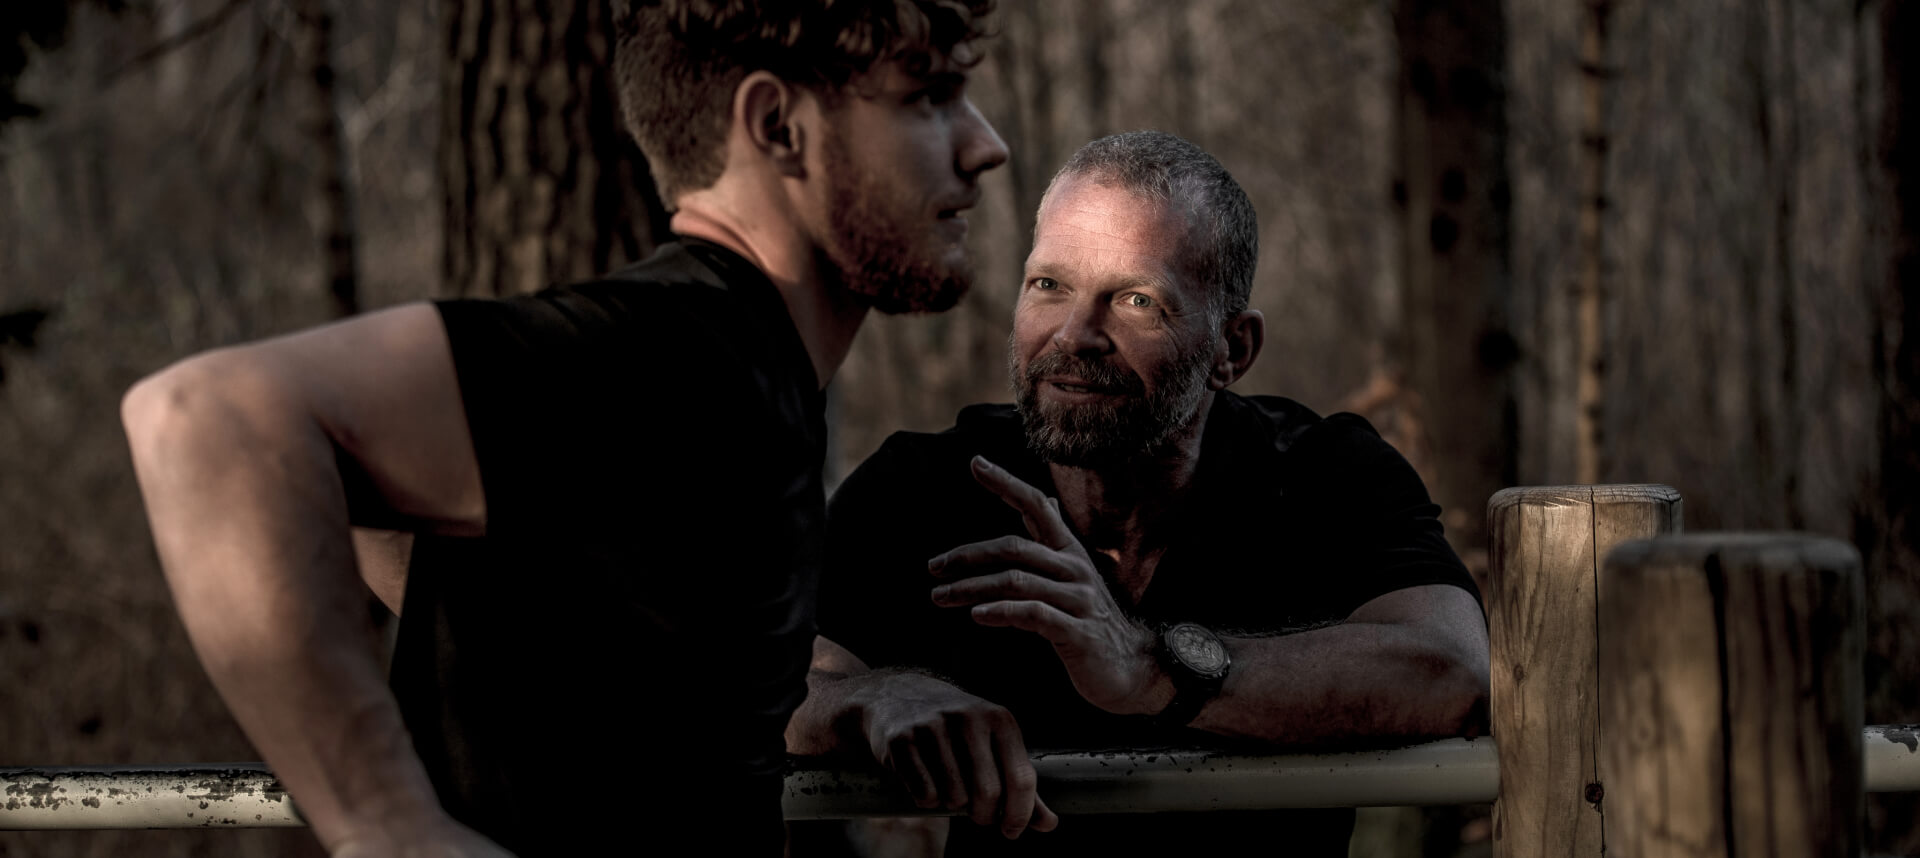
point(1535, 241)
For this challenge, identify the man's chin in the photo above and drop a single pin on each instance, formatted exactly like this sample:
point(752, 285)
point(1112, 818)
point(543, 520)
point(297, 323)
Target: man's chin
point(918, 296)
point(1089, 458)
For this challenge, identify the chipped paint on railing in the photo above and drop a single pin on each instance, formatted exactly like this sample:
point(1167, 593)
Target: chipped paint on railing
point(1451, 771)
point(240, 795)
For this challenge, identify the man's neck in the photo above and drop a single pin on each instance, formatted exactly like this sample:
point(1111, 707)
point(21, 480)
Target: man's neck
point(1124, 511)
point(826, 316)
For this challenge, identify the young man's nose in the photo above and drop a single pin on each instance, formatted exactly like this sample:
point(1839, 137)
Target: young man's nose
point(980, 147)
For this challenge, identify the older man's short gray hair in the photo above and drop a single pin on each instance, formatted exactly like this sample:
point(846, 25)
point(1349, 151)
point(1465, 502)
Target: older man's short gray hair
point(1223, 239)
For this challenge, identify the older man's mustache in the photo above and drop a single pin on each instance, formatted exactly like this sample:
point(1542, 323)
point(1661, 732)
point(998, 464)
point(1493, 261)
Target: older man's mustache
point(1089, 371)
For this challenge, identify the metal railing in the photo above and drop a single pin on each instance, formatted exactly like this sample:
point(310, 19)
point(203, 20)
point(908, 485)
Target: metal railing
point(1451, 771)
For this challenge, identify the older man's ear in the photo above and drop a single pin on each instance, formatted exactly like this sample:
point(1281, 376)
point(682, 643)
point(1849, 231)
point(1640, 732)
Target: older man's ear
point(1243, 336)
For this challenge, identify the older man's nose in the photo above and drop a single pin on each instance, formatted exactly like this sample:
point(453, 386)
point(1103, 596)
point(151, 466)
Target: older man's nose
point(1083, 332)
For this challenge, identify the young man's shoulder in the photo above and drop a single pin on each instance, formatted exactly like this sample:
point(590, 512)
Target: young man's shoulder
point(680, 281)
point(689, 303)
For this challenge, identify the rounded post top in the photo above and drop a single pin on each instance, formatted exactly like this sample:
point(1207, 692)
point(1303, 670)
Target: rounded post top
point(1582, 495)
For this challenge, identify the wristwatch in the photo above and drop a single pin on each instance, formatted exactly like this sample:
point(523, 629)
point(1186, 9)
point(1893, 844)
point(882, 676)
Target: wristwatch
point(1197, 661)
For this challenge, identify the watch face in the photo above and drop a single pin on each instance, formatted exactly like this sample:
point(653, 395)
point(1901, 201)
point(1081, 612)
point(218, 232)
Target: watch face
point(1197, 648)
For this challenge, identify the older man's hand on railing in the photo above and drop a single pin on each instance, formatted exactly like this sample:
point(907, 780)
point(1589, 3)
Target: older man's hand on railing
point(952, 749)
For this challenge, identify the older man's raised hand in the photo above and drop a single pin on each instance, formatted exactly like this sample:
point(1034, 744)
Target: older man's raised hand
point(1047, 584)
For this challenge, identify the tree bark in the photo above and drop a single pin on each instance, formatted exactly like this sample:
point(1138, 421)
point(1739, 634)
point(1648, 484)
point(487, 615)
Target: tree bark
point(543, 184)
point(1900, 372)
point(320, 121)
point(1458, 346)
point(1894, 567)
point(1590, 418)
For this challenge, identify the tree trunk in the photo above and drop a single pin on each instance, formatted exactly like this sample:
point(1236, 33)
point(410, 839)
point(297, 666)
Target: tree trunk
point(1894, 569)
point(320, 122)
point(543, 185)
point(1458, 350)
point(1589, 418)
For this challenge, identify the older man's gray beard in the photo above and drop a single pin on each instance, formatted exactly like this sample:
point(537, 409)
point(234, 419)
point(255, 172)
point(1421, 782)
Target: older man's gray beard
point(1098, 435)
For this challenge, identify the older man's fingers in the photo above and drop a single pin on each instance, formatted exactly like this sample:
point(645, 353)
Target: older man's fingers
point(1044, 819)
point(1022, 785)
point(1012, 585)
point(1008, 552)
point(936, 747)
point(1040, 618)
point(903, 759)
point(983, 775)
point(1040, 513)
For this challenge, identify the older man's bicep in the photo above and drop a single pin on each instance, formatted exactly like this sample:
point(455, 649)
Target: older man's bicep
point(1444, 630)
point(1442, 613)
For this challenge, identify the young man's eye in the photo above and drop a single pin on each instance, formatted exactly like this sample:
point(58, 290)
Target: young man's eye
point(936, 94)
point(1044, 284)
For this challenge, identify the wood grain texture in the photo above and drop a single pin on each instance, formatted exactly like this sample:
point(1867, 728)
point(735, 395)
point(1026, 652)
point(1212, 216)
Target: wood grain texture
point(541, 182)
point(1730, 683)
point(1546, 545)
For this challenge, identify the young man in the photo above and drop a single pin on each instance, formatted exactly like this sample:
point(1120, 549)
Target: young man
point(616, 484)
point(1132, 553)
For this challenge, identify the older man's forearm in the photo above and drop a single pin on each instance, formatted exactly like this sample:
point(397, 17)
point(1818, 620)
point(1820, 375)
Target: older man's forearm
point(1366, 683)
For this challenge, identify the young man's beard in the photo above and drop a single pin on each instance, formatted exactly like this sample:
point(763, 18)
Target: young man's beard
point(873, 250)
point(1099, 435)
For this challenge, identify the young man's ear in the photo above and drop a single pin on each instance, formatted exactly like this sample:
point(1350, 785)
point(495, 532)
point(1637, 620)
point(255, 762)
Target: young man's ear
point(766, 107)
point(1243, 334)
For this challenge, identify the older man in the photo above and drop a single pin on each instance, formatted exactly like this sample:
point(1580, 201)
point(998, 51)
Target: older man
point(1132, 553)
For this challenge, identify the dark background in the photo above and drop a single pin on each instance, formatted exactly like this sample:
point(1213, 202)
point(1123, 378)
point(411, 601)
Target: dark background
point(1535, 241)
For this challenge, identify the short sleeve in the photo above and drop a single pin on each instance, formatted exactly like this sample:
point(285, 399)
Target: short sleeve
point(1384, 530)
point(575, 406)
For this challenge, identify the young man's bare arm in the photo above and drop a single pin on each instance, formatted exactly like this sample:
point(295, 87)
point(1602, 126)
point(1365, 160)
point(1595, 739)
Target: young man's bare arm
point(384, 556)
point(240, 455)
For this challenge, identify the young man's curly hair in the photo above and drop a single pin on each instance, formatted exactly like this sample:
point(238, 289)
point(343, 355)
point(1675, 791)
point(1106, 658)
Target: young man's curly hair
point(677, 62)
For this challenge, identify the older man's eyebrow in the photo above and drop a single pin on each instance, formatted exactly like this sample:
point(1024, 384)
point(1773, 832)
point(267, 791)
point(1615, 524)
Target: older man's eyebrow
point(1138, 281)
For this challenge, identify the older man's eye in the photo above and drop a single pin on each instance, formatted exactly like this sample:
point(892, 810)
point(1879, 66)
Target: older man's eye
point(1139, 301)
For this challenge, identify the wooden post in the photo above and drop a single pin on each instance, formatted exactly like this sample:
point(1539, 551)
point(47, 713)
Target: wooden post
point(1547, 544)
point(1730, 686)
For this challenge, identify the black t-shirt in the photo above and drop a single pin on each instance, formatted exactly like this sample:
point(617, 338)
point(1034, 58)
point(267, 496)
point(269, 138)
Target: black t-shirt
point(638, 619)
point(1293, 520)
